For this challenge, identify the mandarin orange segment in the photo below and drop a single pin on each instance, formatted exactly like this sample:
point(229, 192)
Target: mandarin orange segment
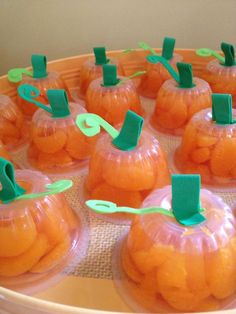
point(52, 258)
point(137, 176)
point(60, 157)
point(146, 261)
point(76, 145)
point(15, 266)
point(206, 140)
point(129, 267)
point(7, 129)
point(118, 196)
point(223, 158)
point(221, 273)
point(137, 239)
point(16, 235)
point(49, 222)
point(200, 155)
point(149, 283)
point(52, 143)
point(189, 141)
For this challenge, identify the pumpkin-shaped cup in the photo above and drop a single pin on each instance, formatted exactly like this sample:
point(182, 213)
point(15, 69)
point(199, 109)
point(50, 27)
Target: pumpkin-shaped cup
point(179, 98)
point(124, 170)
point(156, 74)
point(111, 97)
point(179, 254)
point(43, 80)
point(208, 145)
point(39, 232)
point(14, 129)
point(220, 73)
point(56, 145)
point(91, 69)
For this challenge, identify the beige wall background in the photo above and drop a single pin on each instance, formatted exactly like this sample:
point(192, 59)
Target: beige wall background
point(62, 28)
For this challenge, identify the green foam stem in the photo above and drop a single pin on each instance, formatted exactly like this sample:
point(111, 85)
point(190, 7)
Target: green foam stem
point(29, 93)
point(186, 199)
point(222, 109)
point(59, 103)
point(206, 52)
point(146, 47)
point(130, 133)
point(90, 125)
point(166, 64)
point(15, 75)
point(100, 55)
point(228, 51)
point(39, 64)
point(185, 75)
point(138, 73)
point(168, 48)
point(110, 75)
point(10, 189)
point(53, 188)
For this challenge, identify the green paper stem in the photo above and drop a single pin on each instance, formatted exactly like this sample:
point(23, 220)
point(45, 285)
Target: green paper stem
point(105, 207)
point(130, 133)
point(100, 55)
point(168, 48)
point(39, 64)
point(138, 73)
point(110, 75)
point(146, 47)
point(53, 188)
point(90, 125)
point(222, 109)
point(206, 52)
point(15, 75)
point(185, 75)
point(228, 51)
point(58, 101)
point(186, 199)
point(10, 189)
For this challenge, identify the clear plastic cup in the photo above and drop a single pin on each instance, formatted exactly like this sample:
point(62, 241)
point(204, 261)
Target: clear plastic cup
point(112, 102)
point(156, 75)
point(90, 72)
point(53, 80)
point(5, 154)
point(175, 106)
point(57, 145)
point(13, 127)
point(126, 177)
point(221, 78)
point(165, 267)
point(209, 149)
point(38, 237)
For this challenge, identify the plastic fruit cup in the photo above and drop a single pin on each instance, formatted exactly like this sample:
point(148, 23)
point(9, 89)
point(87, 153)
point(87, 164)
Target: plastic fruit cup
point(5, 154)
point(209, 149)
point(38, 237)
point(112, 100)
point(126, 177)
point(165, 267)
point(13, 127)
point(176, 104)
point(57, 145)
point(43, 81)
point(92, 69)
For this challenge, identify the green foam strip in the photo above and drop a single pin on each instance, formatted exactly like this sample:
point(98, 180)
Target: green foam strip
point(186, 204)
point(228, 51)
point(39, 64)
point(185, 75)
point(130, 133)
point(222, 109)
point(100, 55)
point(10, 189)
point(110, 75)
point(168, 48)
point(59, 103)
